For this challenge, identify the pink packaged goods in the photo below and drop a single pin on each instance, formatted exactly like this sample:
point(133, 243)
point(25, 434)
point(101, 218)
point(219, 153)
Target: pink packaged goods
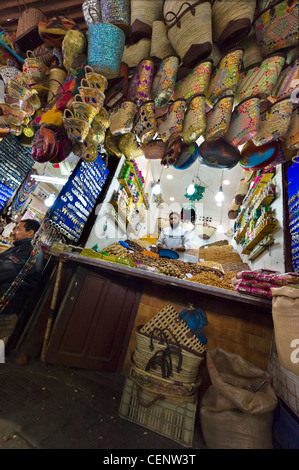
point(246, 275)
point(266, 294)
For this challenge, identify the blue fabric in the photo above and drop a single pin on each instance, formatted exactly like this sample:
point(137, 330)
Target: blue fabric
point(192, 322)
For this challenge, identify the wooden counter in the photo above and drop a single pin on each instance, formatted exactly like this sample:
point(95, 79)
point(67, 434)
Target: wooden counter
point(100, 303)
point(264, 305)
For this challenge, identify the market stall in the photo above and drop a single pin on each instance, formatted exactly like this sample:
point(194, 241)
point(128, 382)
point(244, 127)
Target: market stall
point(140, 87)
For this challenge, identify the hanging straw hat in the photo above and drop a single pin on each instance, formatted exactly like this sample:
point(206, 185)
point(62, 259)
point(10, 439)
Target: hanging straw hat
point(160, 44)
point(135, 53)
point(143, 15)
point(230, 23)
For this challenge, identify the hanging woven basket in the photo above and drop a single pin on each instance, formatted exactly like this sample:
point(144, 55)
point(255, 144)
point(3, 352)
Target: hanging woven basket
point(189, 29)
point(231, 23)
point(135, 53)
point(160, 44)
point(143, 15)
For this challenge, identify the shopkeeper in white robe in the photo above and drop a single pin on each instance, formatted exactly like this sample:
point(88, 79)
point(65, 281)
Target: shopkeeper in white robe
point(174, 237)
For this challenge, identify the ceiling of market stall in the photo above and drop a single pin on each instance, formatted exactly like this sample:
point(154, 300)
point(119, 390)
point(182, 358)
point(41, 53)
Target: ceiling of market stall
point(152, 170)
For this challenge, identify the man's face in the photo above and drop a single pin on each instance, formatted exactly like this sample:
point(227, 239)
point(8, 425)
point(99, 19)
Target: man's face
point(174, 220)
point(20, 232)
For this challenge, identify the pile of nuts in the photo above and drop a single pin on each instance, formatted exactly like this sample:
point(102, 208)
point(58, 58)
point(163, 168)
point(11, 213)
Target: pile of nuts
point(212, 280)
point(116, 249)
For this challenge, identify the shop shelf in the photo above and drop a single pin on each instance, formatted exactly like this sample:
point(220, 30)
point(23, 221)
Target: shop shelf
point(267, 229)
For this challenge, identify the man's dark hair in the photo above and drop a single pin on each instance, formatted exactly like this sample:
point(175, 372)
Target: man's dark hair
point(31, 224)
point(174, 213)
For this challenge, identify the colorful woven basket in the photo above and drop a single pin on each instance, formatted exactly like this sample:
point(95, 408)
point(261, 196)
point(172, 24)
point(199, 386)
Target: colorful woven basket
point(145, 126)
point(140, 84)
point(122, 117)
point(287, 83)
point(195, 119)
point(189, 29)
point(225, 78)
point(292, 136)
point(106, 44)
point(218, 119)
point(117, 13)
point(274, 122)
point(164, 81)
point(231, 22)
point(278, 26)
point(171, 124)
point(245, 122)
point(218, 154)
point(259, 79)
point(258, 157)
point(129, 146)
point(194, 83)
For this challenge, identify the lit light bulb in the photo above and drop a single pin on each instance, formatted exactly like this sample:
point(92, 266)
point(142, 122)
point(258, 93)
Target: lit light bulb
point(226, 182)
point(50, 200)
point(219, 196)
point(157, 189)
point(191, 189)
point(220, 228)
point(169, 177)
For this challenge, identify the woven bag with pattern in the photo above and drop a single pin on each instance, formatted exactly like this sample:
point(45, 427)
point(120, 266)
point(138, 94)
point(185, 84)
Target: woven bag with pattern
point(274, 122)
point(195, 83)
point(195, 119)
point(287, 83)
point(218, 119)
point(277, 27)
point(225, 78)
point(260, 79)
point(244, 122)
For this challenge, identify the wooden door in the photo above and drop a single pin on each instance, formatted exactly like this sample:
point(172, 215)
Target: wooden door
point(94, 321)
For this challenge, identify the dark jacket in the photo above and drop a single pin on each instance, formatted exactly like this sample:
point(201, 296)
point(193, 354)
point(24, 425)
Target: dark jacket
point(12, 261)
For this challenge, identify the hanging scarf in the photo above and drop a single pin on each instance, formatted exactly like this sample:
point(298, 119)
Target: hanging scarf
point(24, 192)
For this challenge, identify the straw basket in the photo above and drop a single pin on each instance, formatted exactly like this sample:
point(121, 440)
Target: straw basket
point(135, 53)
point(195, 83)
point(171, 124)
point(252, 54)
point(170, 322)
point(29, 19)
point(225, 78)
point(117, 13)
point(160, 44)
point(244, 122)
point(140, 85)
point(56, 79)
point(231, 24)
point(277, 27)
point(261, 78)
point(176, 421)
point(206, 231)
point(173, 391)
point(106, 44)
point(189, 29)
point(233, 210)
point(129, 146)
point(143, 15)
point(218, 119)
point(292, 137)
point(164, 81)
point(195, 119)
point(149, 345)
point(274, 122)
point(122, 117)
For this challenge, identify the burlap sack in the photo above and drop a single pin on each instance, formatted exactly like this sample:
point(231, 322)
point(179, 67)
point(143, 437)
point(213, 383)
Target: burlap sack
point(236, 411)
point(285, 313)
